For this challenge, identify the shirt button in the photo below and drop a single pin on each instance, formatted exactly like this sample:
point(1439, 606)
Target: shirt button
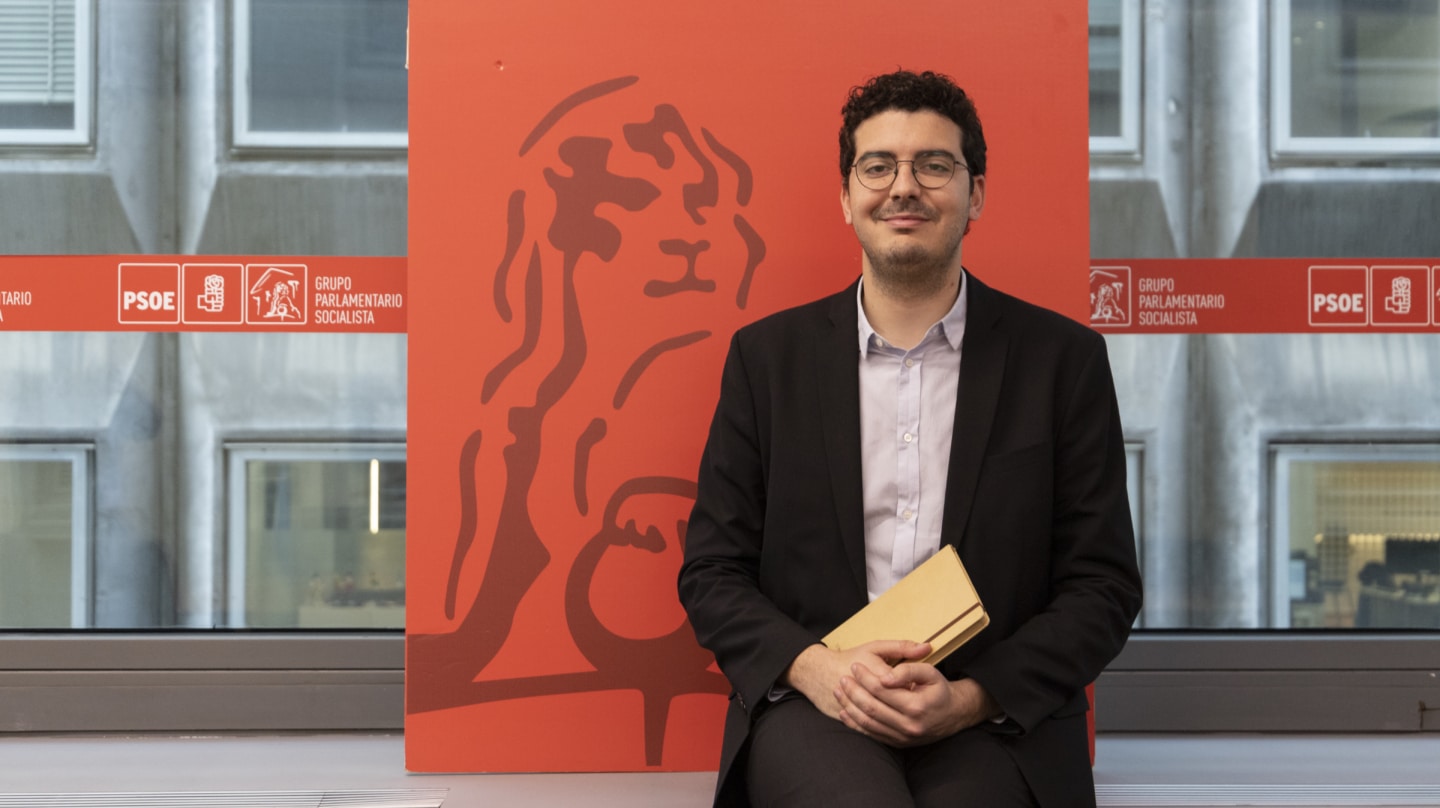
point(907, 514)
point(909, 437)
point(909, 363)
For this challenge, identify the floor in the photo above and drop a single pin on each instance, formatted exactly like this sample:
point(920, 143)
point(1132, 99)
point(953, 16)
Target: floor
point(338, 771)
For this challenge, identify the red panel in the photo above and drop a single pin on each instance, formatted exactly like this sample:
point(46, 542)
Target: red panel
point(600, 193)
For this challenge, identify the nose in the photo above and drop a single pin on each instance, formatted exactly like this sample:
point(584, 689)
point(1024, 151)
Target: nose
point(905, 183)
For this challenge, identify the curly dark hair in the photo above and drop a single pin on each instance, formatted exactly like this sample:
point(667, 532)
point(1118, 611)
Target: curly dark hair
point(908, 91)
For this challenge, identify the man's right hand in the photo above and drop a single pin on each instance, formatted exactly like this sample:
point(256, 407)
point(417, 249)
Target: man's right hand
point(817, 671)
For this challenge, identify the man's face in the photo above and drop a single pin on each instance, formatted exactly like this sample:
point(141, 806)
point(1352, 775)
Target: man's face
point(910, 234)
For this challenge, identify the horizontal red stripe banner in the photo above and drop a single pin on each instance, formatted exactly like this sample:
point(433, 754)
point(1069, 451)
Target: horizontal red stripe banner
point(1265, 295)
point(202, 293)
point(367, 294)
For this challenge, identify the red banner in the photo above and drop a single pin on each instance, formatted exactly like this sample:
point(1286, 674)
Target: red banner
point(202, 293)
point(1265, 295)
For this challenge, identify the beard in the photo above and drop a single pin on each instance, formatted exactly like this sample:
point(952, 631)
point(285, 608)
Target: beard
point(909, 270)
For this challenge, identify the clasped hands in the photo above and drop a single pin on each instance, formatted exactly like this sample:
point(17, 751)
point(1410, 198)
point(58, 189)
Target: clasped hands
point(882, 689)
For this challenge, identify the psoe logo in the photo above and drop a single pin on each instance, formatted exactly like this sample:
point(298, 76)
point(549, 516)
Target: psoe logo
point(275, 294)
point(149, 294)
point(1338, 295)
point(1110, 296)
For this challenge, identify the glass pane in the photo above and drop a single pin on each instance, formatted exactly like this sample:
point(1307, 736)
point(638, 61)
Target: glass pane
point(37, 116)
point(36, 543)
point(1365, 68)
point(1106, 65)
point(1364, 543)
point(327, 66)
point(38, 73)
point(324, 544)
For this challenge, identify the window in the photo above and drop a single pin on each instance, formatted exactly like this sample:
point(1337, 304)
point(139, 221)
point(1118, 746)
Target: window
point(1356, 536)
point(320, 73)
point(144, 423)
point(44, 536)
point(1356, 77)
point(45, 76)
point(317, 536)
point(1115, 77)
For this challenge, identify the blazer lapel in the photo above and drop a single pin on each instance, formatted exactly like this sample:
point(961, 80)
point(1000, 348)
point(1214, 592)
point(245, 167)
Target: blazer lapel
point(838, 385)
point(982, 370)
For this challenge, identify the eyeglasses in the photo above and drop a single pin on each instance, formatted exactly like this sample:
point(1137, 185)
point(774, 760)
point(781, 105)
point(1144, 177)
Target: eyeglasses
point(878, 171)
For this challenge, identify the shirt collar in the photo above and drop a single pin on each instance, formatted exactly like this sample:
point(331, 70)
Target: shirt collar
point(952, 325)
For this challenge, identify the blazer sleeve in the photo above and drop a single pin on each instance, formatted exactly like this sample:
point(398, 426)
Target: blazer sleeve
point(720, 584)
point(1094, 589)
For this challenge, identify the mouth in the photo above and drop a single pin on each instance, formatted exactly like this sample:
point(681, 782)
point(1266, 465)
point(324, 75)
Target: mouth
point(903, 218)
point(905, 221)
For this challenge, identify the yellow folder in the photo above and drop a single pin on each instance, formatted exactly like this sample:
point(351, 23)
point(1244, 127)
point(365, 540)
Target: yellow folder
point(935, 603)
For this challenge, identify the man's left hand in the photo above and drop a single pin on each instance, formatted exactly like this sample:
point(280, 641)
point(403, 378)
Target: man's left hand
point(911, 704)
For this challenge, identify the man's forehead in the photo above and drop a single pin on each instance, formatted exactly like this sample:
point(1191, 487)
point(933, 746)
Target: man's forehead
point(899, 124)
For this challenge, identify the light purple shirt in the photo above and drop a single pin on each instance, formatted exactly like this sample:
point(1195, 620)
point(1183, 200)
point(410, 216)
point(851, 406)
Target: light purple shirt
point(907, 417)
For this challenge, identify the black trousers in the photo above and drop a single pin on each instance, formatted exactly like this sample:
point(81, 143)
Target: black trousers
point(801, 757)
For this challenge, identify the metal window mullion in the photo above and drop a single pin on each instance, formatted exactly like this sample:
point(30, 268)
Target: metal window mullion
point(1280, 537)
point(1131, 36)
point(236, 488)
point(1280, 76)
point(81, 566)
point(240, 71)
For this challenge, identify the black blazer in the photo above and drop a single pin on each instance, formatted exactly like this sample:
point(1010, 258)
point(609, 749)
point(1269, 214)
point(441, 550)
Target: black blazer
point(1035, 502)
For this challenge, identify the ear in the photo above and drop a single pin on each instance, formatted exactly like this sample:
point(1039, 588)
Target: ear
point(845, 204)
point(977, 197)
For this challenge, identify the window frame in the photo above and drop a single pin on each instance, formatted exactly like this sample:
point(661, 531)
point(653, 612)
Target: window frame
point(1127, 144)
point(1284, 145)
point(206, 681)
point(1135, 485)
point(81, 133)
point(244, 137)
point(1292, 681)
point(79, 455)
point(1135, 491)
point(1281, 455)
point(237, 454)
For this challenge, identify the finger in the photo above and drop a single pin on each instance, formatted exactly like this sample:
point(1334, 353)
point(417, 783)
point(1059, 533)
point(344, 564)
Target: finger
point(851, 714)
point(917, 650)
point(870, 728)
point(909, 675)
point(889, 650)
point(857, 700)
point(878, 709)
point(873, 666)
point(872, 681)
point(903, 709)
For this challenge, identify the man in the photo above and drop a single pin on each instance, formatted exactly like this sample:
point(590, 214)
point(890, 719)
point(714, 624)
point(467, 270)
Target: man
point(857, 434)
